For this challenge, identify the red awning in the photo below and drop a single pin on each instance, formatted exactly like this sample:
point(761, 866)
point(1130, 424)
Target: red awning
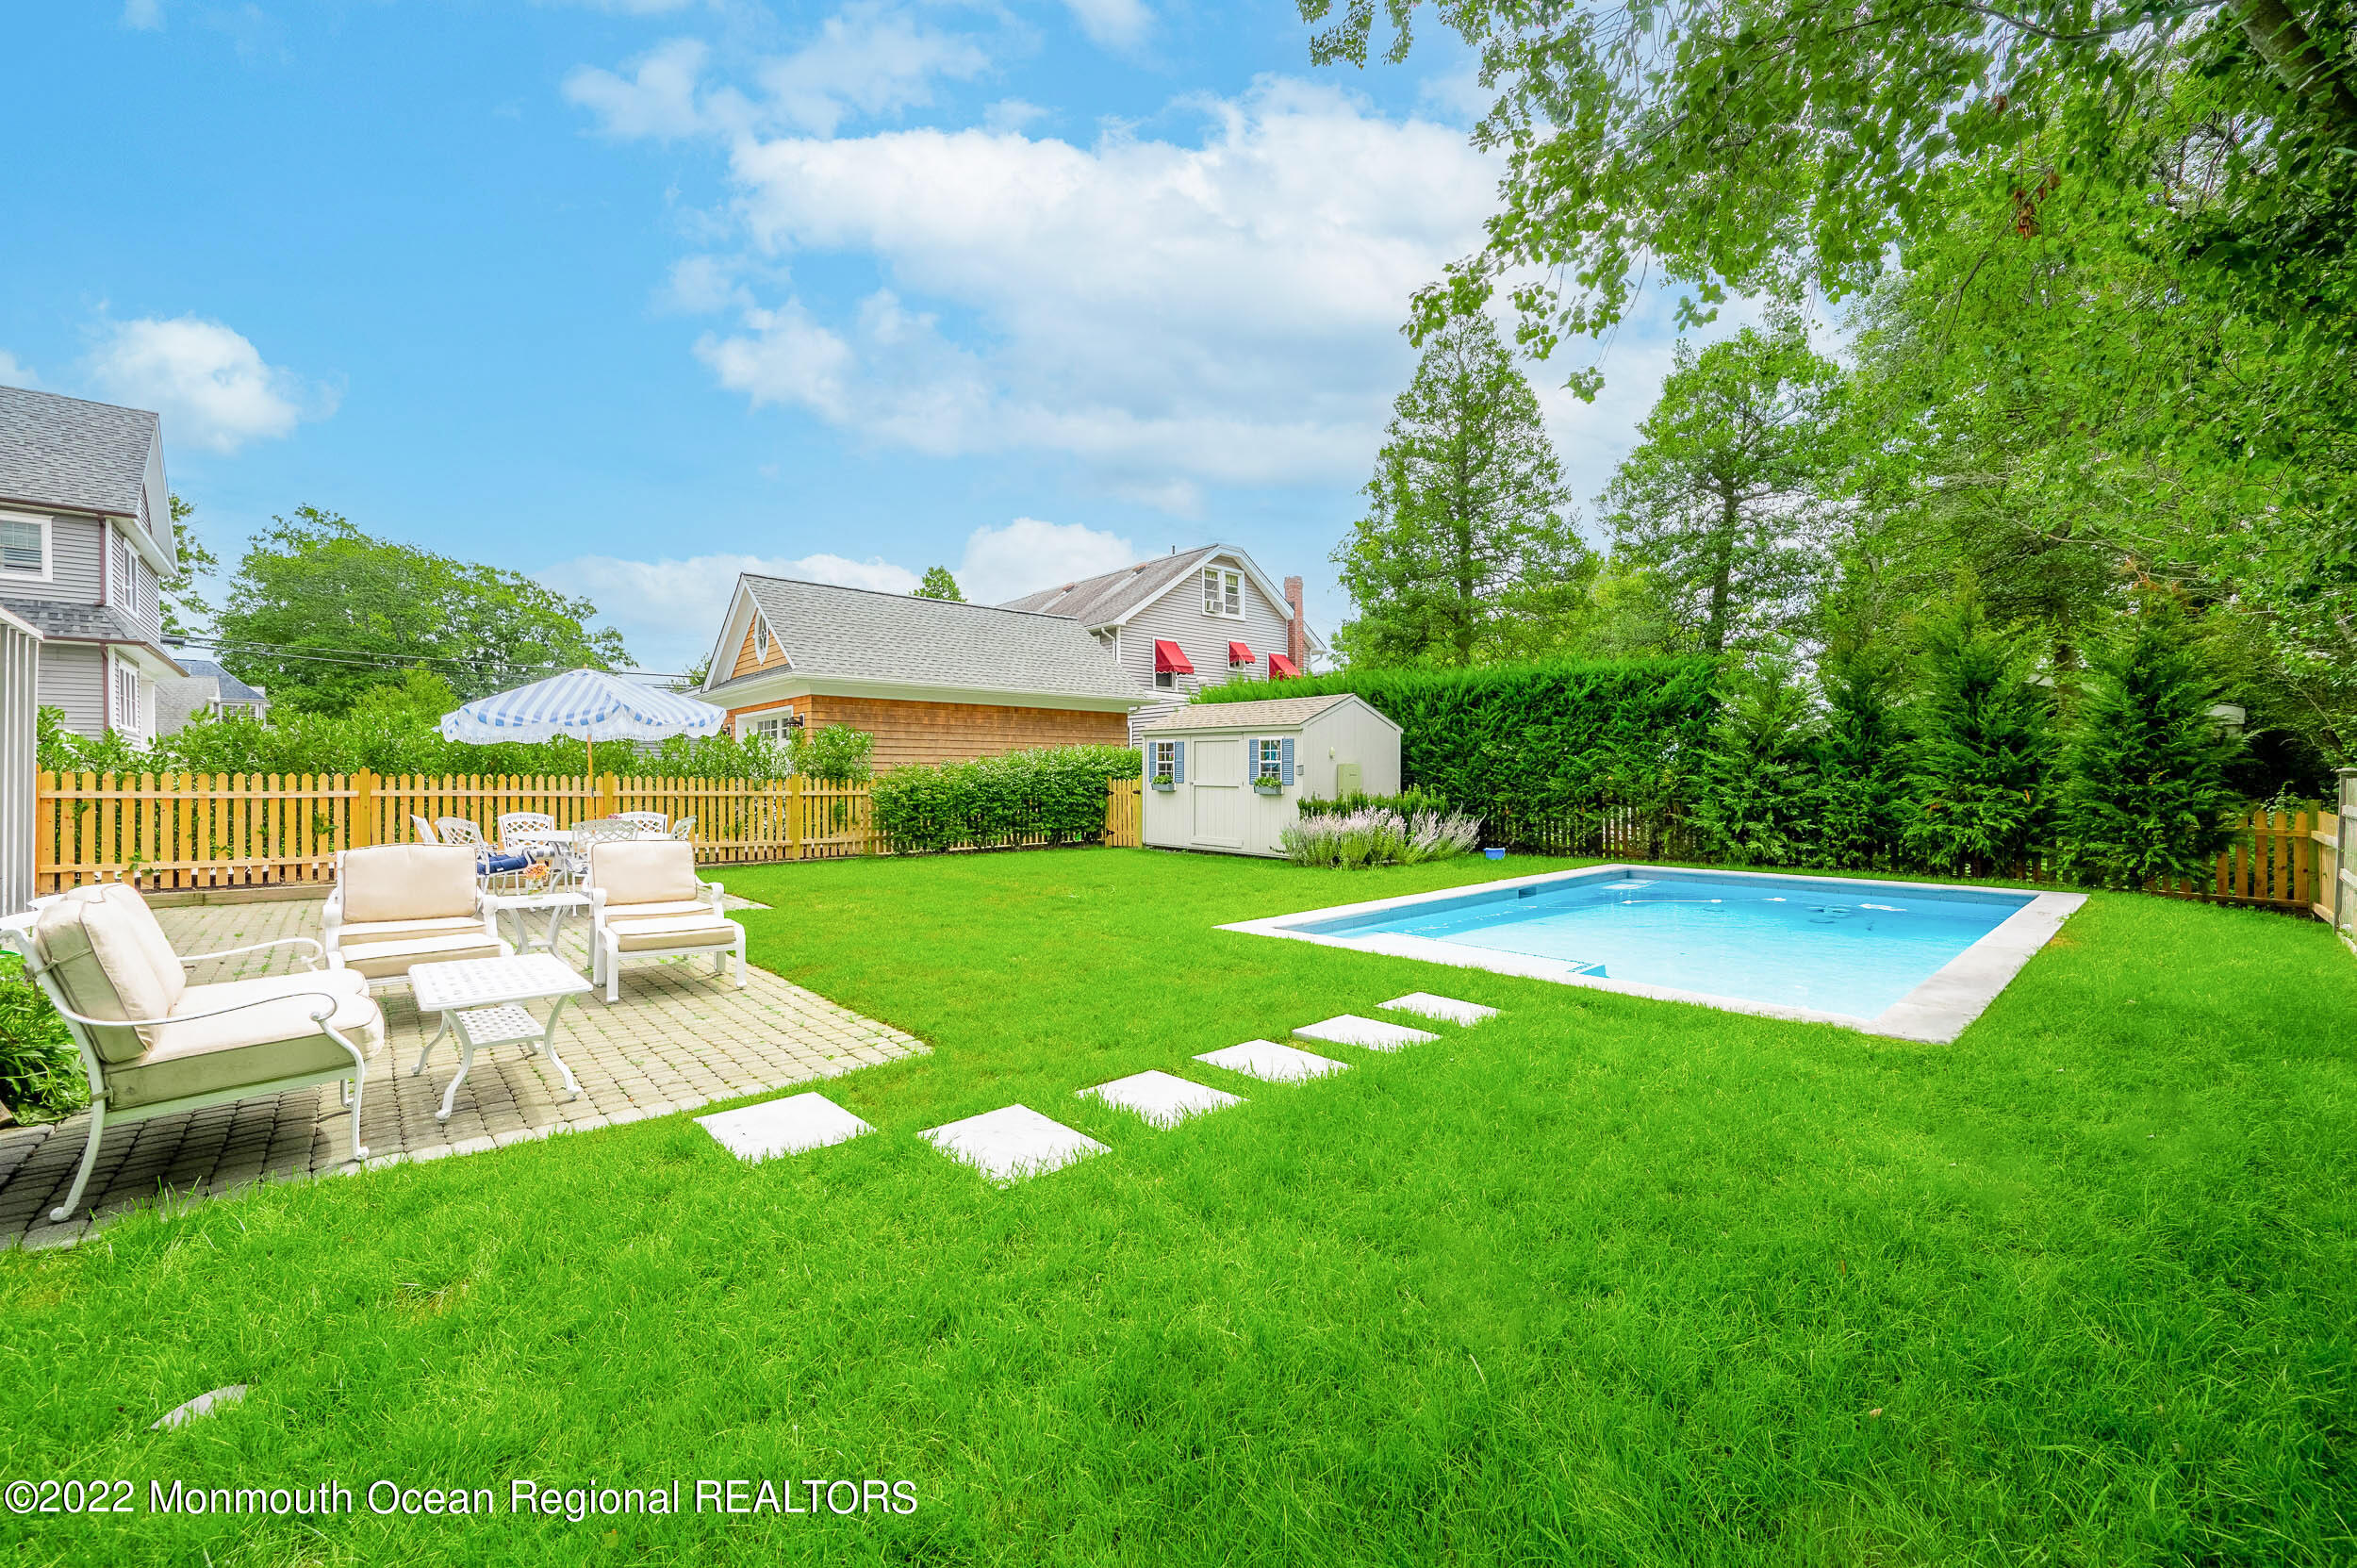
point(1170, 660)
point(1239, 654)
point(1279, 664)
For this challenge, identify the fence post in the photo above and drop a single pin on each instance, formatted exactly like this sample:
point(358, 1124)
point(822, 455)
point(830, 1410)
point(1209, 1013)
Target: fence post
point(609, 794)
point(360, 821)
point(793, 818)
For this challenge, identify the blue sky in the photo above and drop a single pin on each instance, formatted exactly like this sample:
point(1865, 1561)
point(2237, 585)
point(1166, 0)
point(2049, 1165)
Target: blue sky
point(628, 295)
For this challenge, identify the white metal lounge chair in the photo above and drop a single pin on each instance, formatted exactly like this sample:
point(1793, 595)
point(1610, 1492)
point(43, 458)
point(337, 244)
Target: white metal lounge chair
point(646, 902)
point(653, 824)
point(399, 904)
point(154, 1044)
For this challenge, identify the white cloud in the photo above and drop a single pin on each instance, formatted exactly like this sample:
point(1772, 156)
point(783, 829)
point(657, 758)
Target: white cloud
point(659, 100)
point(1010, 114)
point(15, 373)
point(143, 15)
point(1028, 555)
point(209, 384)
point(1168, 313)
point(1114, 23)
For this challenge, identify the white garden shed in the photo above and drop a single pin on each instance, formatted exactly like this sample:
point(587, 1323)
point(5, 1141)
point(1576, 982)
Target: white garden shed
point(1231, 776)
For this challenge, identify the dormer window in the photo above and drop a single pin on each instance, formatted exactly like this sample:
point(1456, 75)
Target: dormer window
point(1222, 593)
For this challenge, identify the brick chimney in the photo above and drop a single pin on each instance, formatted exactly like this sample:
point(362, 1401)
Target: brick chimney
point(1297, 634)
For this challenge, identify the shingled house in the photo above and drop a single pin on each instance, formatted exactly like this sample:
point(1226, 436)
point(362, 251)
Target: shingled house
point(86, 540)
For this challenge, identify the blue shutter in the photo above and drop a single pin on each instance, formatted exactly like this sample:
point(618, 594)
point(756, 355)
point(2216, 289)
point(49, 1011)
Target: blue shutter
point(1251, 760)
point(1146, 750)
point(1285, 759)
point(1178, 761)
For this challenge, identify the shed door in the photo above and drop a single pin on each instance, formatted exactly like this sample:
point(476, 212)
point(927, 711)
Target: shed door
point(1218, 773)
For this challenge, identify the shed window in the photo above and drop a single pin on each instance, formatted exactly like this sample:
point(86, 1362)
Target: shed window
point(25, 547)
point(1222, 593)
point(1269, 761)
point(1165, 759)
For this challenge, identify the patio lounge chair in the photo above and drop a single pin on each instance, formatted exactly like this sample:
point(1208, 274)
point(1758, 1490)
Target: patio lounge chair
point(424, 829)
point(646, 902)
point(154, 1044)
point(653, 824)
point(399, 904)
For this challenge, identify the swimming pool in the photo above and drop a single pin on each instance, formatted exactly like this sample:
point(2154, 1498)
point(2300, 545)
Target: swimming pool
point(1917, 960)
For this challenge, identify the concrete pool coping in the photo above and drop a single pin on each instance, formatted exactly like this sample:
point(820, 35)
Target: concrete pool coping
point(1934, 1012)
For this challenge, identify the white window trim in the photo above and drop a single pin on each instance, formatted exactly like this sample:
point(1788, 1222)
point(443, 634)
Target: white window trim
point(48, 549)
point(1269, 762)
point(1232, 586)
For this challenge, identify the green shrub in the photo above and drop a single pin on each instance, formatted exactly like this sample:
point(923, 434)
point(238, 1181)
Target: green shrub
point(40, 1071)
point(837, 754)
point(1981, 744)
point(1056, 794)
point(1406, 802)
point(1860, 760)
point(2144, 791)
point(1530, 744)
point(1757, 796)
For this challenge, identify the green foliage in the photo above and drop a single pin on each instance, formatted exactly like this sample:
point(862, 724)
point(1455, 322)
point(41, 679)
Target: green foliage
point(1539, 741)
point(180, 598)
point(1466, 537)
point(41, 1069)
point(1721, 499)
point(1756, 799)
point(320, 613)
point(938, 584)
point(2144, 791)
point(837, 754)
point(1861, 749)
point(1406, 802)
point(1056, 793)
point(1979, 747)
point(382, 735)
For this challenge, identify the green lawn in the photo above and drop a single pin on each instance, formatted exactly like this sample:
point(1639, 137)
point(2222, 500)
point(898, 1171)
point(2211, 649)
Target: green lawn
point(1603, 1280)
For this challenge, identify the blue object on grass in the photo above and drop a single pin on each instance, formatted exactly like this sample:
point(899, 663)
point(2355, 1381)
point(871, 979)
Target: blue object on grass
point(1496, 855)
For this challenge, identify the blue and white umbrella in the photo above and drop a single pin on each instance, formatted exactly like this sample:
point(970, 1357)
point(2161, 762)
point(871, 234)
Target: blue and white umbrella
point(589, 704)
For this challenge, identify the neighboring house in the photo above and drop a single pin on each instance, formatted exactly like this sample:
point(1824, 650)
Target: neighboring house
point(933, 679)
point(86, 540)
point(1193, 619)
point(207, 688)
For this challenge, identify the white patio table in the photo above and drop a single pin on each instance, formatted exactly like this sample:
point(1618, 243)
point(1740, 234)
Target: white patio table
point(482, 1001)
point(555, 903)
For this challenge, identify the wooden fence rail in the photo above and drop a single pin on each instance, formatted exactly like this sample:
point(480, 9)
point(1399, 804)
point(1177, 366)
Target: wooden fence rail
point(241, 830)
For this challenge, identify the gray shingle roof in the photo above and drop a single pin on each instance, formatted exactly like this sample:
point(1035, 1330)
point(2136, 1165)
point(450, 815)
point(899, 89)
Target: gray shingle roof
point(1095, 600)
point(232, 690)
point(64, 620)
point(858, 633)
point(63, 452)
point(1232, 716)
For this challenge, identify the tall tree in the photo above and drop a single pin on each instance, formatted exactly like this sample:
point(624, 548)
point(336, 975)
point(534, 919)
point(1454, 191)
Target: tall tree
point(320, 612)
point(186, 612)
point(1980, 739)
point(1722, 498)
point(938, 584)
point(1467, 533)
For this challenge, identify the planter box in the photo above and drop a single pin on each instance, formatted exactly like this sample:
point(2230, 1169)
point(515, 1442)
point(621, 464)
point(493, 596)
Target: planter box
point(1166, 789)
point(1268, 789)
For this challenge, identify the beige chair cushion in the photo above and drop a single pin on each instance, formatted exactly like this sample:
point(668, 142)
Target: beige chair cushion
point(664, 907)
point(384, 960)
point(672, 933)
point(112, 961)
point(644, 871)
point(407, 881)
point(254, 1044)
point(394, 930)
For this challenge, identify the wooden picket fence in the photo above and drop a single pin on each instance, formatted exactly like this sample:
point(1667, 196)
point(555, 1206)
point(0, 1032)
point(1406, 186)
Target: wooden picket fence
point(241, 830)
point(1125, 813)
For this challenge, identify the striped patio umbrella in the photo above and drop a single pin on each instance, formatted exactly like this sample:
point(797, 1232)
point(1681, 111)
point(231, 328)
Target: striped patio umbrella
point(590, 704)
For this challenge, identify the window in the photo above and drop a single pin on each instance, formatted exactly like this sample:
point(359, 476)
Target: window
point(128, 718)
point(761, 641)
point(1165, 759)
point(1166, 679)
point(1222, 593)
point(24, 547)
point(771, 727)
point(1270, 763)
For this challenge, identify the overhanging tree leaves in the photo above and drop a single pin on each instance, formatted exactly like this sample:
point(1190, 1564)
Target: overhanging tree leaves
point(320, 612)
point(1466, 529)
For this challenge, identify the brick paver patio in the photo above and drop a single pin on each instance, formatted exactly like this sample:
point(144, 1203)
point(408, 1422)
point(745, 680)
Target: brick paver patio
point(677, 1040)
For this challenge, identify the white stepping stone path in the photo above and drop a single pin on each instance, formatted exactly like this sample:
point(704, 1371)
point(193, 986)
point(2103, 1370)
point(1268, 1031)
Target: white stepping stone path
point(1374, 1033)
point(1161, 1098)
point(1272, 1062)
point(793, 1125)
point(1448, 1009)
point(1012, 1143)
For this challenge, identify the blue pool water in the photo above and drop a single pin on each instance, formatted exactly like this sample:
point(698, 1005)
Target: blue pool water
point(1850, 948)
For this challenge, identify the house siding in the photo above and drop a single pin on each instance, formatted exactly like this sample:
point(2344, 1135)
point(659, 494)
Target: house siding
point(76, 563)
point(1178, 617)
point(74, 678)
point(909, 732)
point(745, 661)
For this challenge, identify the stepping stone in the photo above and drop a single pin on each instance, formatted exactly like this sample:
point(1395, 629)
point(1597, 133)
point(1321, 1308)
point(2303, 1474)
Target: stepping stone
point(203, 1404)
point(1374, 1033)
point(1012, 1142)
point(793, 1125)
point(1448, 1009)
point(1272, 1062)
point(1162, 1099)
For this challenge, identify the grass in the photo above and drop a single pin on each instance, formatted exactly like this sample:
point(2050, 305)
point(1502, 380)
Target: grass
point(1603, 1281)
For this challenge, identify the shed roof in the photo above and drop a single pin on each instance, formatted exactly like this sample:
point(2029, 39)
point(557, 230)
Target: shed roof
point(860, 634)
point(65, 452)
point(1275, 712)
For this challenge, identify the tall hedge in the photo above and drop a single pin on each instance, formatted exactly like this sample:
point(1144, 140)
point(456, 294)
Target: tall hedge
point(1057, 794)
point(1528, 742)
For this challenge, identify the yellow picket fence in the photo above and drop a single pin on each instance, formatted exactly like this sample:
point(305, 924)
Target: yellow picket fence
point(1125, 813)
point(241, 830)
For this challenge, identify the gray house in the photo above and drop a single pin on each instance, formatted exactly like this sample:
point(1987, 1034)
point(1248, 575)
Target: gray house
point(1188, 619)
point(207, 689)
point(86, 540)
